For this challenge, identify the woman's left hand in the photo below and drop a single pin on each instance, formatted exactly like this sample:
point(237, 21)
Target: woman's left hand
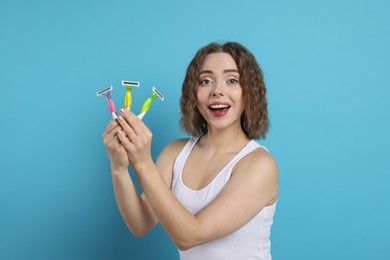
point(136, 138)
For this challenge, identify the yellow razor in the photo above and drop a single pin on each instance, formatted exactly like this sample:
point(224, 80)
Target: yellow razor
point(148, 102)
point(128, 97)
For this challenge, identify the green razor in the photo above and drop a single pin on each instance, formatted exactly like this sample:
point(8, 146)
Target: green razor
point(148, 102)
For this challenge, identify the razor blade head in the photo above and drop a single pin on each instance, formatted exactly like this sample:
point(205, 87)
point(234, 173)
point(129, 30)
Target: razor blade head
point(104, 91)
point(128, 83)
point(158, 93)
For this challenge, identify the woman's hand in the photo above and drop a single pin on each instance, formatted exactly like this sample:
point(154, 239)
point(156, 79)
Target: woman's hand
point(115, 150)
point(136, 138)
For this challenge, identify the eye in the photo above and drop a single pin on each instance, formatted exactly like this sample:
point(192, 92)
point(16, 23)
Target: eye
point(206, 82)
point(232, 82)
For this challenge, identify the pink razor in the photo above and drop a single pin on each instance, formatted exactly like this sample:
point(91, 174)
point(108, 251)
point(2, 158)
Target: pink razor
point(107, 93)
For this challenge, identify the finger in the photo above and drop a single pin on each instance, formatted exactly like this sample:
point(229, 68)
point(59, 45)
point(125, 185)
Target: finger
point(140, 127)
point(126, 128)
point(144, 128)
point(144, 135)
point(134, 122)
point(124, 140)
point(109, 137)
point(112, 142)
point(110, 127)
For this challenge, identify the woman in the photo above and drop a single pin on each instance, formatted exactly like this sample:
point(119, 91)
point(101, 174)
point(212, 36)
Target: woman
point(215, 193)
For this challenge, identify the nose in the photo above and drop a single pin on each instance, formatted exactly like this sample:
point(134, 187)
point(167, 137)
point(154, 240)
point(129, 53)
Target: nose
point(217, 90)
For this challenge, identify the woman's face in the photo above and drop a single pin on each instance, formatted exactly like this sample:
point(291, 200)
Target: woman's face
point(219, 94)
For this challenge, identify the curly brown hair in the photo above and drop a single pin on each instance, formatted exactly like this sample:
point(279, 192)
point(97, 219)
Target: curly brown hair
point(254, 119)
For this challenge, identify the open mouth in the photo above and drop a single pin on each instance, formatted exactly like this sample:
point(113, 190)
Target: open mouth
point(219, 107)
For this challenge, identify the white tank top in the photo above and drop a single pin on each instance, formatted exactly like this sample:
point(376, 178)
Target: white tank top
point(250, 241)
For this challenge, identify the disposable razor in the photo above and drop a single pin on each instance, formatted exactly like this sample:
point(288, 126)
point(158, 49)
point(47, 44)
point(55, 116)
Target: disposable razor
point(128, 97)
point(148, 102)
point(107, 93)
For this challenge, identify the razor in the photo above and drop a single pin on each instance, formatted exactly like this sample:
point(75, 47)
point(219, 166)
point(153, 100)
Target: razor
point(148, 102)
point(107, 93)
point(128, 97)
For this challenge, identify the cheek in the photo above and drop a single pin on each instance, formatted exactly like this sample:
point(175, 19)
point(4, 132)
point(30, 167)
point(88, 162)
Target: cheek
point(239, 96)
point(199, 100)
point(201, 95)
point(240, 100)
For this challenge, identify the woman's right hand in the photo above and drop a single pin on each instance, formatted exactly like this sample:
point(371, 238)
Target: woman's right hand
point(116, 151)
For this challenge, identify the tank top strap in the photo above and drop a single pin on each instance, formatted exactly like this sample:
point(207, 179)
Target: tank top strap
point(224, 175)
point(249, 147)
point(182, 158)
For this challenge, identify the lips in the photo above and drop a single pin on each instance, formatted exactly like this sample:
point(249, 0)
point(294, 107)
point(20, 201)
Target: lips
point(219, 109)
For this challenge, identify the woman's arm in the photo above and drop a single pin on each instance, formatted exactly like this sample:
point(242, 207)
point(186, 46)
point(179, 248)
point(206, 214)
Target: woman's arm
point(253, 185)
point(135, 209)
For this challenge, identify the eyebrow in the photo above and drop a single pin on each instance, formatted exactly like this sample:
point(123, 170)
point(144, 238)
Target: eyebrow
point(211, 72)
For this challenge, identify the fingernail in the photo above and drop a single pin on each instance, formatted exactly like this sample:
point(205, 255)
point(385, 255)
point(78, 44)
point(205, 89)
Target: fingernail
point(123, 111)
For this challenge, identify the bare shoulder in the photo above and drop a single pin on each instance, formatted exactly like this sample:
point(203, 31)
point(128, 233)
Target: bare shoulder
point(172, 150)
point(176, 146)
point(260, 168)
point(259, 159)
point(167, 157)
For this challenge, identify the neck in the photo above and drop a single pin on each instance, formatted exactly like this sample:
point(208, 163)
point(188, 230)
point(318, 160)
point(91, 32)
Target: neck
point(227, 140)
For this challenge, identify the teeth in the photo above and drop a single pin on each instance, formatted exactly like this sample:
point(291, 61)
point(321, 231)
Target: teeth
point(219, 106)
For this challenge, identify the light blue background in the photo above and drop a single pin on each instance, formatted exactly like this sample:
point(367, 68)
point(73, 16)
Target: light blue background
point(326, 65)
